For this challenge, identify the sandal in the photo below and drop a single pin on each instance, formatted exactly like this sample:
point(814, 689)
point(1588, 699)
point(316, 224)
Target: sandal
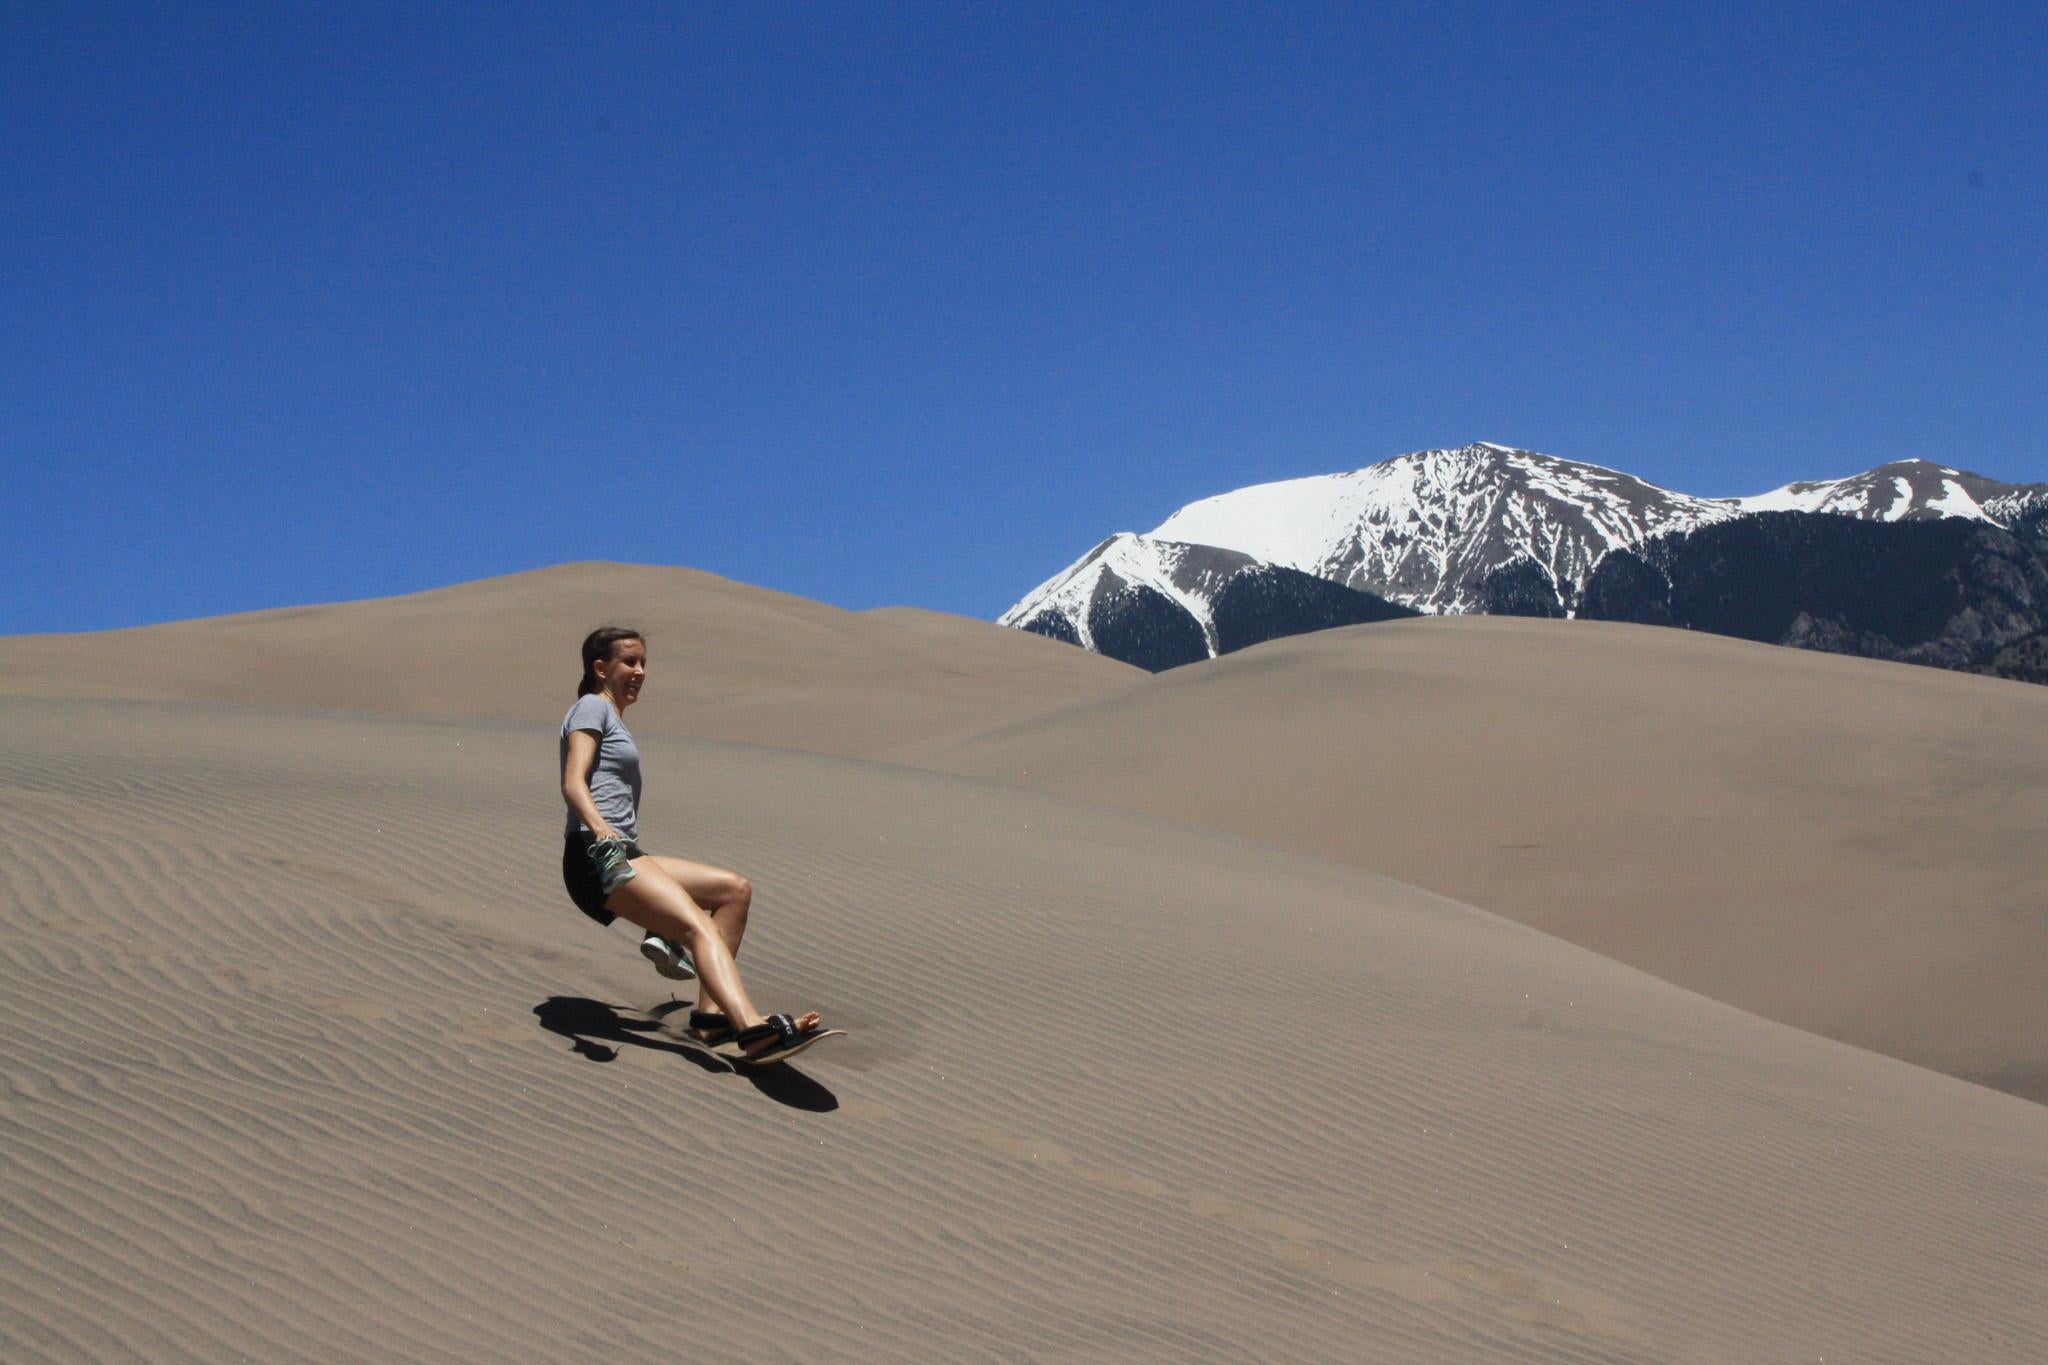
point(710, 1028)
point(782, 1038)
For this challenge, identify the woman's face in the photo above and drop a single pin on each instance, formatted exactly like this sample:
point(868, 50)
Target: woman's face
point(622, 674)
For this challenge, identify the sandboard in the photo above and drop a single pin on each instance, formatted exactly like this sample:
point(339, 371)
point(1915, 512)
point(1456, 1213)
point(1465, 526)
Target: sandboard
point(730, 1051)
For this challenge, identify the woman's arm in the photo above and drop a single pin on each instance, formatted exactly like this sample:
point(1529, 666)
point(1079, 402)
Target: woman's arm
point(576, 782)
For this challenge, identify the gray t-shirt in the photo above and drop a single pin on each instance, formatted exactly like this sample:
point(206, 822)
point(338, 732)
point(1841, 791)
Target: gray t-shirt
point(615, 777)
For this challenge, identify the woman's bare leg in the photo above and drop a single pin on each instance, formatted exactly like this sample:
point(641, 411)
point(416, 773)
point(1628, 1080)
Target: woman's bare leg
point(725, 896)
point(657, 903)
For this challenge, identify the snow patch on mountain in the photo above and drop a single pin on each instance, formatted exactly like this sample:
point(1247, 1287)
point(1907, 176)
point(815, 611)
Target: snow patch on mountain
point(1189, 575)
point(1905, 490)
point(1425, 529)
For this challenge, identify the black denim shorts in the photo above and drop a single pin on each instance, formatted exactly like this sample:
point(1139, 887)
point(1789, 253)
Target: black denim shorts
point(579, 874)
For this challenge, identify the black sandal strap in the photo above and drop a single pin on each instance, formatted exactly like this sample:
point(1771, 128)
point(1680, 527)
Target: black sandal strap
point(778, 1026)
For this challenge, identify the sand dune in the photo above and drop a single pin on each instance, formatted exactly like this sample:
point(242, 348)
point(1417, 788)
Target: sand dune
point(1847, 846)
point(730, 661)
point(1850, 846)
point(307, 1058)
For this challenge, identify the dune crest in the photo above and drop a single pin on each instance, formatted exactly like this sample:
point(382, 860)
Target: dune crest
point(730, 661)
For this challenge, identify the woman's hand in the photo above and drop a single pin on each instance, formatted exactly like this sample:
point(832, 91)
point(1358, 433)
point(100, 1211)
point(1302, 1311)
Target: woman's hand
point(614, 869)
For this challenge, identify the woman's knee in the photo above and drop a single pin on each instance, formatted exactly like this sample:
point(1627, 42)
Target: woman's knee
point(727, 895)
point(728, 891)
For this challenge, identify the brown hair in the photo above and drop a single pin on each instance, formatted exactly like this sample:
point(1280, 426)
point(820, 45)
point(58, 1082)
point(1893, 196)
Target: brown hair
point(598, 647)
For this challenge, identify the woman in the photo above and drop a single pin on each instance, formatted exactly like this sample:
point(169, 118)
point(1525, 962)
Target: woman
point(680, 905)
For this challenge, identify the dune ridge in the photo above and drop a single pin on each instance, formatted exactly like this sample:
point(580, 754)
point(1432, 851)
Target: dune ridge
point(730, 661)
point(310, 1059)
point(1849, 846)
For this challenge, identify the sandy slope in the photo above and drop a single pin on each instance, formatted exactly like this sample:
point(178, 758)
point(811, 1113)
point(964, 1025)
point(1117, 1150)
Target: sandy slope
point(1854, 847)
point(730, 661)
point(273, 988)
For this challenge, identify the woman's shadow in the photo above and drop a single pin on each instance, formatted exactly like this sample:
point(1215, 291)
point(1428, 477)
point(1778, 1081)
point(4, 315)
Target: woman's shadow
point(596, 1031)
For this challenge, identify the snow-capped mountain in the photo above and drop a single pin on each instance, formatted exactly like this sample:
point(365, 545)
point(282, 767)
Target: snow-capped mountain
point(1907, 490)
point(1482, 528)
point(1479, 529)
point(1426, 529)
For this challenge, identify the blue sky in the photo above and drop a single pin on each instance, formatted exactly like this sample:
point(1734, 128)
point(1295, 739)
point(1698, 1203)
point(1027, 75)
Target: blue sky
point(912, 304)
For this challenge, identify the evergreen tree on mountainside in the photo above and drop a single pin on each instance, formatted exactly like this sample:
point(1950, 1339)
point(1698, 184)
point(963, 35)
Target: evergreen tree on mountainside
point(1522, 588)
point(1628, 586)
point(1053, 626)
point(1945, 591)
point(2024, 660)
point(1144, 626)
point(1269, 603)
point(2030, 528)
